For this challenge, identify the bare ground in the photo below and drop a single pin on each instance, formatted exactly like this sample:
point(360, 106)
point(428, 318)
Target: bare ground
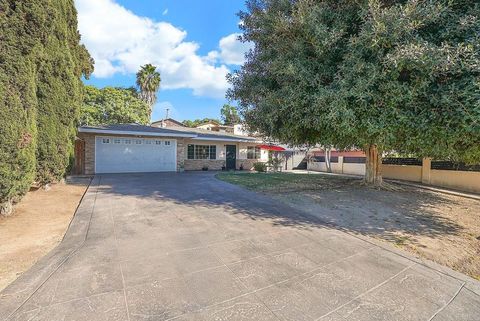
point(437, 226)
point(37, 226)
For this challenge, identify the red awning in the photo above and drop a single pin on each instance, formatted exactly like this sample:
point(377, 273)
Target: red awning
point(272, 147)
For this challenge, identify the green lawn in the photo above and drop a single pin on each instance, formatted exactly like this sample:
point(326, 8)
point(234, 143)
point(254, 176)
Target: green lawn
point(283, 182)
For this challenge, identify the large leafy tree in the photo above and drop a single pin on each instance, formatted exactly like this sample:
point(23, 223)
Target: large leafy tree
point(113, 106)
point(148, 82)
point(382, 75)
point(229, 115)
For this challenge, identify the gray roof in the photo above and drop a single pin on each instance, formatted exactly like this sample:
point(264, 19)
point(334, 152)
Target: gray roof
point(136, 129)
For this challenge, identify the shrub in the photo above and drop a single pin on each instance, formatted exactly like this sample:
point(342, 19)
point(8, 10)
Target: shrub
point(260, 167)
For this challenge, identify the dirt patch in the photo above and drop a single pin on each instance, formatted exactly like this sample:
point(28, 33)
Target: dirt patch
point(37, 226)
point(440, 227)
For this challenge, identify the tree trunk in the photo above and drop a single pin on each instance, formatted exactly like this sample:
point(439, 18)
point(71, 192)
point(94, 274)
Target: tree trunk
point(373, 166)
point(6, 208)
point(328, 164)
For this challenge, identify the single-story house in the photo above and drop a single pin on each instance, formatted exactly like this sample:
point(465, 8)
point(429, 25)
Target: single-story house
point(129, 148)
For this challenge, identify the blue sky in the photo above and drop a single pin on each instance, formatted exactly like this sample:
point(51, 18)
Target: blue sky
point(193, 43)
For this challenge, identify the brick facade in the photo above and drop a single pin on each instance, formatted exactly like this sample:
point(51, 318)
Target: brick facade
point(198, 164)
point(247, 163)
point(89, 152)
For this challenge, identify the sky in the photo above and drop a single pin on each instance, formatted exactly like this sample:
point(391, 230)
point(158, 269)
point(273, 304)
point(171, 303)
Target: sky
point(193, 43)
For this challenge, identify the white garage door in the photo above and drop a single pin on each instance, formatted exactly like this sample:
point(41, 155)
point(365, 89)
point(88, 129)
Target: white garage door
point(130, 155)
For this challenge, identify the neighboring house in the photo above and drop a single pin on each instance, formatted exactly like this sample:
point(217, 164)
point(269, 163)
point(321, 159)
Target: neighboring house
point(216, 127)
point(128, 148)
point(168, 122)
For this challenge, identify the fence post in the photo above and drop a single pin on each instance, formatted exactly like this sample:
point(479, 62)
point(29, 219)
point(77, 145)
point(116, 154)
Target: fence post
point(340, 162)
point(426, 170)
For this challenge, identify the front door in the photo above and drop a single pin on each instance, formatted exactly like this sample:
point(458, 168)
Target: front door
point(231, 157)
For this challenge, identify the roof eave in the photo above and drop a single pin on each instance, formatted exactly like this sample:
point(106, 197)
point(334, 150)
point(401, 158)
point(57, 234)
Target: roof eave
point(233, 139)
point(133, 133)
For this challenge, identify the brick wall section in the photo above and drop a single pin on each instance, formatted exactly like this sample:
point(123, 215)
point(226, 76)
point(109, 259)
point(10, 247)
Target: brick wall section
point(198, 164)
point(181, 154)
point(247, 163)
point(90, 150)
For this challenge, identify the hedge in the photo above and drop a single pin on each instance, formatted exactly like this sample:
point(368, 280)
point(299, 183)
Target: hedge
point(41, 64)
point(59, 90)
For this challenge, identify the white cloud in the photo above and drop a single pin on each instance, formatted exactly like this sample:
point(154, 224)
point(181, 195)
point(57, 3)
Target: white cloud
point(120, 42)
point(232, 51)
point(165, 12)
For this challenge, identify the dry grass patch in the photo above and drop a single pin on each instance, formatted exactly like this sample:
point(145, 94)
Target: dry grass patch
point(440, 227)
point(37, 226)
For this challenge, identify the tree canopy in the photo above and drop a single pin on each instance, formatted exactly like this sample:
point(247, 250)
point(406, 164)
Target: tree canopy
point(394, 75)
point(230, 115)
point(198, 122)
point(113, 106)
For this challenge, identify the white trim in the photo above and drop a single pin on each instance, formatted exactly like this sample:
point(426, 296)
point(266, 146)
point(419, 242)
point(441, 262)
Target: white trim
point(240, 140)
point(134, 133)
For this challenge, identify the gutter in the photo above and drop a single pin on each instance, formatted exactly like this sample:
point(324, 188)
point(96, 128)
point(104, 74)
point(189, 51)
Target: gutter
point(224, 139)
point(134, 133)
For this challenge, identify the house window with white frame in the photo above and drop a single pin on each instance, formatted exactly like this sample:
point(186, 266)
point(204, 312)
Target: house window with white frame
point(253, 152)
point(201, 151)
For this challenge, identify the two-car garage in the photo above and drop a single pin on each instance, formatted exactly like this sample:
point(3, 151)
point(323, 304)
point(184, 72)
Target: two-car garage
point(128, 148)
point(130, 155)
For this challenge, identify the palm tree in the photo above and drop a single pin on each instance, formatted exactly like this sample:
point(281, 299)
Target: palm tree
point(148, 82)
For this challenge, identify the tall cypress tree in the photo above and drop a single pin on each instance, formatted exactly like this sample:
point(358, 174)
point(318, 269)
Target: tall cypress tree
point(41, 63)
point(61, 65)
point(19, 34)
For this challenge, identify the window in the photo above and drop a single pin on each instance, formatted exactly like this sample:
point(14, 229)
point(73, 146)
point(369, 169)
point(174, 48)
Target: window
point(138, 141)
point(117, 141)
point(167, 143)
point(148, 142)
point(191, 152)
point(213, 152)
point(253, 152)
point(106, 140)
point(158, 142)
point(202, 152)
point(128, 141)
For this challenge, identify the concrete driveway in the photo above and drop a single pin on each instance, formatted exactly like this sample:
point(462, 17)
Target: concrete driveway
point(190, 247)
